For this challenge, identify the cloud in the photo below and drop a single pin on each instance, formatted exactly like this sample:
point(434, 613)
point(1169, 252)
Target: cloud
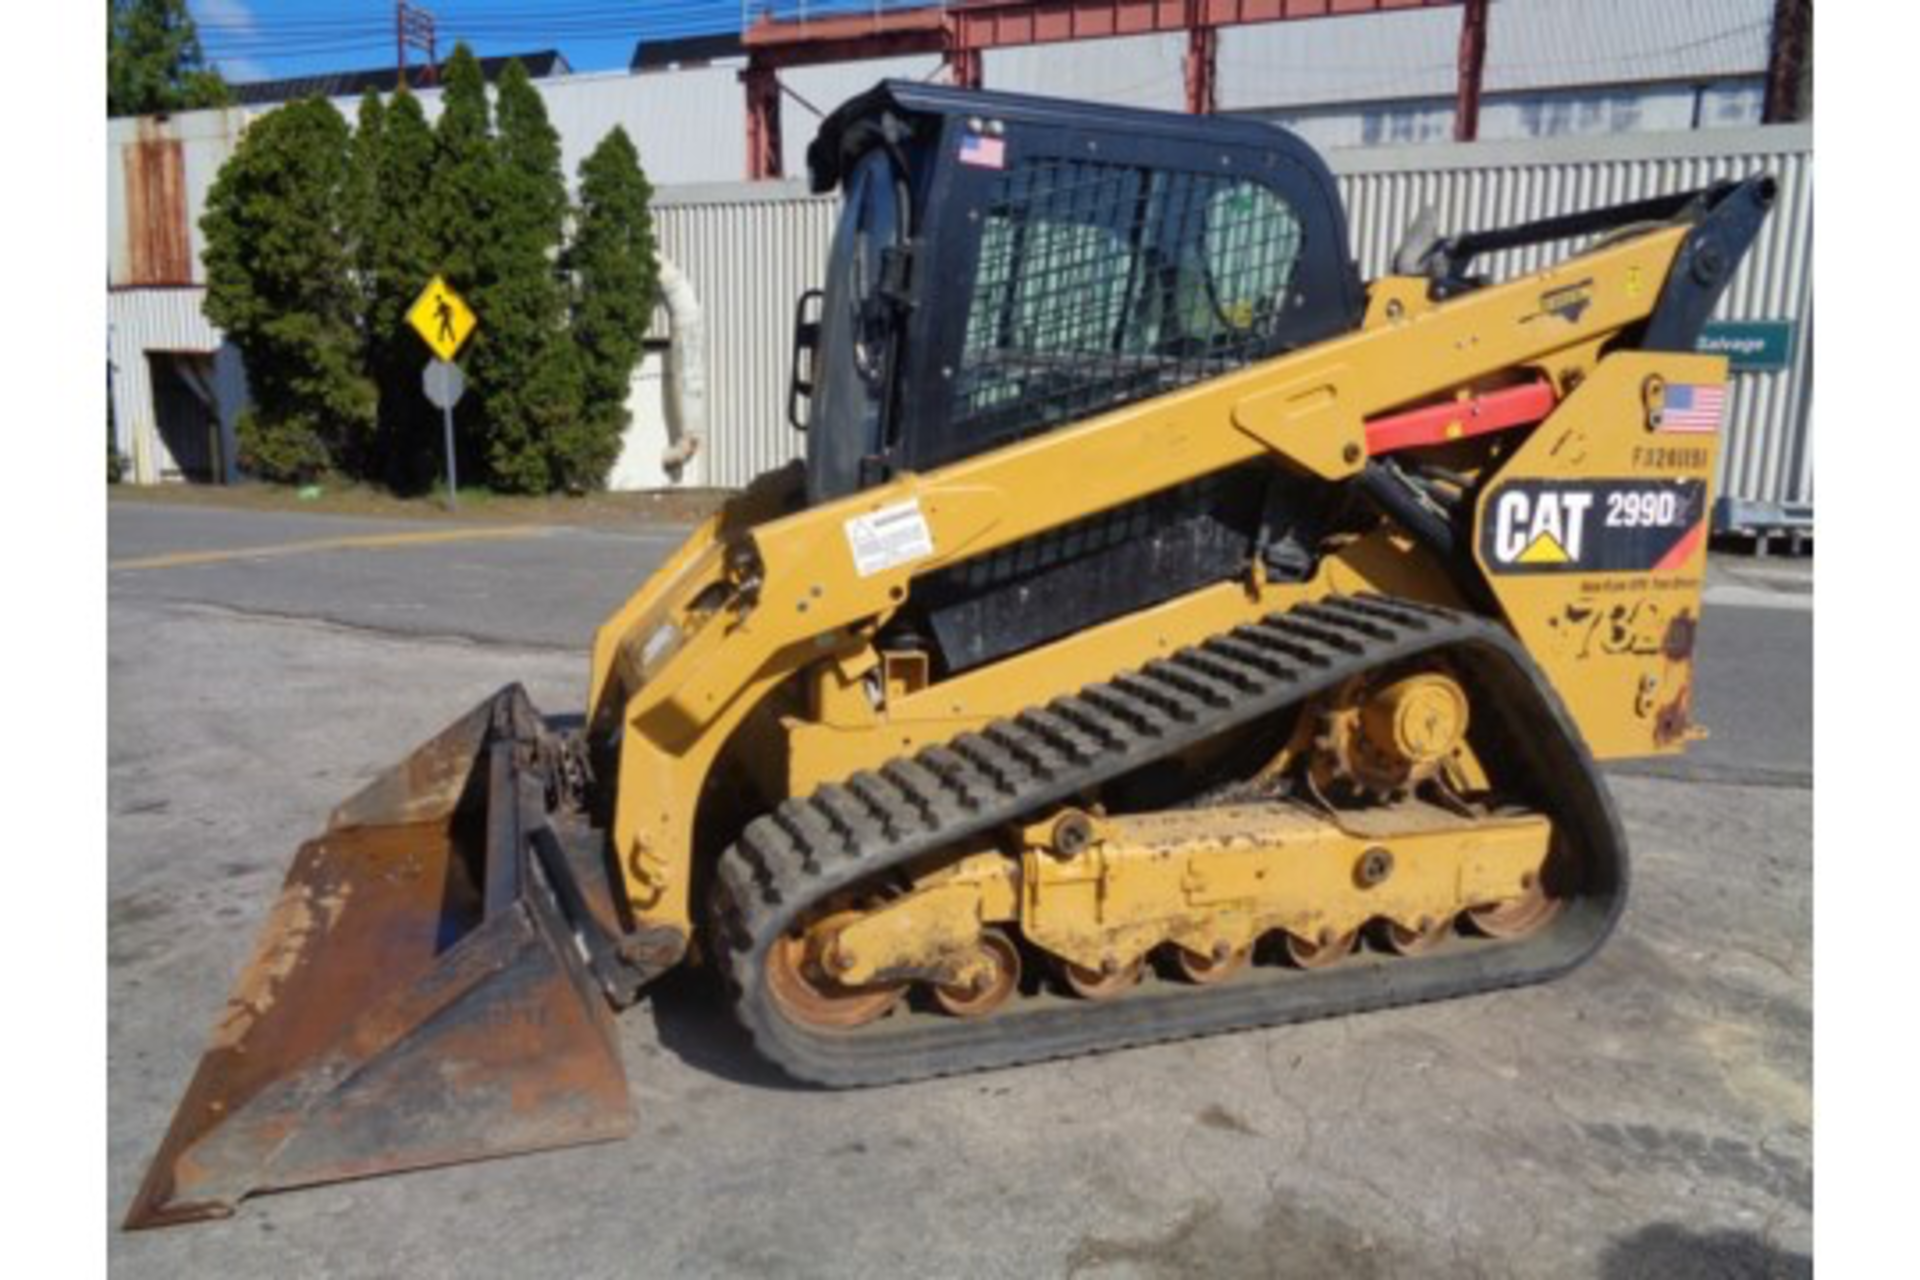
point(223, 20)
point(242, 70)
point(228, 15)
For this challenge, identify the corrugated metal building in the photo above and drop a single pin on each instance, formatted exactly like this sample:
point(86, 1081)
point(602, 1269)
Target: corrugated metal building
point(174, 383)
point(1670, 77)
point(1554, 68)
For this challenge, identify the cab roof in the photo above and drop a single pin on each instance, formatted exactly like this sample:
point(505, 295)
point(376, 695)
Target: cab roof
point(841, 140)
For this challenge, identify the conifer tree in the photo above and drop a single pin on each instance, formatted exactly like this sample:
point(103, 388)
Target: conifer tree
point(614, 274)
point(525, 367)
point(154, 60)
point(397, 258)
point(361, 208)
point(460, 197)
point(319, 239)
point(459, 207)
point(280, 284)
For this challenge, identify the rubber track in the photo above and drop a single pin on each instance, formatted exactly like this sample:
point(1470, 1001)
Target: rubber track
point(841, 835)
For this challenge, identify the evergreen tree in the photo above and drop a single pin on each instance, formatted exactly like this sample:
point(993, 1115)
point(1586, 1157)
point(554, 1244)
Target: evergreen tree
point(361, 208)
point(524, 364)
point(279, 283)
point(397, 257)
point(154, 61)
point(460, 197)
point(459, 209)
point(615, 273)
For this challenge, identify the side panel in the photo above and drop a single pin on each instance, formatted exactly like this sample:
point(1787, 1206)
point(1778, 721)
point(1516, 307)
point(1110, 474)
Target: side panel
point(1593, 537)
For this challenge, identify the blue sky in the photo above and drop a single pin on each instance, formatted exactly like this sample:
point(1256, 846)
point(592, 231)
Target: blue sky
point(267, 39)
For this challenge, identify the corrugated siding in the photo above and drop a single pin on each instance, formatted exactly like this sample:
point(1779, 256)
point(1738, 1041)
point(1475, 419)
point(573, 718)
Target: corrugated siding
point(687, 124)
point(1531, 44)
point(750, 251)
point(1767, 450)
point(1559, 113)
point(1127, 71)
point(140, 321)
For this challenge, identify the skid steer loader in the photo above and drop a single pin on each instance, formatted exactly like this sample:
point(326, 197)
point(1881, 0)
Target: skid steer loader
point(1167, 633)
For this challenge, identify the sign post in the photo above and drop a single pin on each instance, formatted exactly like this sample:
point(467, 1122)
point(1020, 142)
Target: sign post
point(444, 385)
point(443, 319)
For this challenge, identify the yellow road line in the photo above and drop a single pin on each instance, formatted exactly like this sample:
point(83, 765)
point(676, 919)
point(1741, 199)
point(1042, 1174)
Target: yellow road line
point(370, 541)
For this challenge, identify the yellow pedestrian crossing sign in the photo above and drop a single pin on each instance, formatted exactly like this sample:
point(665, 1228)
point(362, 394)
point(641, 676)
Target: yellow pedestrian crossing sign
point(443, 318)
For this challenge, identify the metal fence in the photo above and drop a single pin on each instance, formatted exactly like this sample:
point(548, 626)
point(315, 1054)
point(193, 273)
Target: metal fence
point(752, 249)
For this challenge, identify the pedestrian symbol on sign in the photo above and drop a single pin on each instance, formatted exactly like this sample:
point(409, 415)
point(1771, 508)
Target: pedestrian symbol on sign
point(442, 318)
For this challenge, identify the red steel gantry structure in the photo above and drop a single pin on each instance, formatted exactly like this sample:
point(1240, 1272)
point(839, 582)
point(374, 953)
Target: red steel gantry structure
point(961, 33)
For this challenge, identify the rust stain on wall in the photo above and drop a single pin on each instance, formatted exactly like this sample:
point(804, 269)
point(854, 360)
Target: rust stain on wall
point(159, 248)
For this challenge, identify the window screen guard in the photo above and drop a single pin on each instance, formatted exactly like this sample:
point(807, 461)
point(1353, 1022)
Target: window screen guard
point(1099, 284)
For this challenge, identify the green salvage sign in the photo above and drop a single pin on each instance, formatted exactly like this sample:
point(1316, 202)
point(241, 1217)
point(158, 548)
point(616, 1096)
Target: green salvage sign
point(1750, 346)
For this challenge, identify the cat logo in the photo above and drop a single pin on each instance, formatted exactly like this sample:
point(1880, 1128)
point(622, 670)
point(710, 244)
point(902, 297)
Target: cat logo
point(1604, 525)
point(1540, 527)
point(1544, 549)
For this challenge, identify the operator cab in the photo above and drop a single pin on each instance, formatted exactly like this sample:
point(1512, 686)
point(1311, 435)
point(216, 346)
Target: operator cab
point(1007, 264)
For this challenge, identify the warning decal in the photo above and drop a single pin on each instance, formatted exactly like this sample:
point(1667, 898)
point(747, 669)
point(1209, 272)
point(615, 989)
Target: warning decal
point(893, 535)
point(1605, 526)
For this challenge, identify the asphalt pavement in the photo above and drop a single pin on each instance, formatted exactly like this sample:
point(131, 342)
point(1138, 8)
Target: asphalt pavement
point(1650, 1115)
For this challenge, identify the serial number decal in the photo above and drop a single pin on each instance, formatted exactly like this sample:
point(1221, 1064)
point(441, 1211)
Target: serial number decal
point(1604, 526)
point(1671, 458)
point(893, 535)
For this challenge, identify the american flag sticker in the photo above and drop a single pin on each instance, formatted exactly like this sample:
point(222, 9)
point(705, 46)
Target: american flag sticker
point(983, 152)
point(1693, 408)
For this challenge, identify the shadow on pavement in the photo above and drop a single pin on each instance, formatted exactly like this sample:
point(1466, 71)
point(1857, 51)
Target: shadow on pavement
point(1667, 1251)
point(691, 1008)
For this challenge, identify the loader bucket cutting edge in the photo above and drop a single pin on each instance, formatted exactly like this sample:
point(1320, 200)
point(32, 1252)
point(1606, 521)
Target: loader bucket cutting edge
point(415, 998)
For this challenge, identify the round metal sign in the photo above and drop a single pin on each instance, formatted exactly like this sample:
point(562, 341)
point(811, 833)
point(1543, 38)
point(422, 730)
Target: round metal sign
point(444, 383)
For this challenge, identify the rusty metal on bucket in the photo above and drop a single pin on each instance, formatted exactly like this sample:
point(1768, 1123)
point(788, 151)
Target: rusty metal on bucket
point(415, 998)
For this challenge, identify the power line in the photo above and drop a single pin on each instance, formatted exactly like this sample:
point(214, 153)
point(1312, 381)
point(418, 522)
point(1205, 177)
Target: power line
point(257, 37)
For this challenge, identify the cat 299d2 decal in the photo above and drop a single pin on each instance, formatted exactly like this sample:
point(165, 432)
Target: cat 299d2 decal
point(1592, 526)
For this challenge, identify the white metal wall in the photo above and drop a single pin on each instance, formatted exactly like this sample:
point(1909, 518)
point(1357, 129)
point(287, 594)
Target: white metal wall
point(751, 250)
point(1127, 71)
point(1559, 113)
point(1531, 44)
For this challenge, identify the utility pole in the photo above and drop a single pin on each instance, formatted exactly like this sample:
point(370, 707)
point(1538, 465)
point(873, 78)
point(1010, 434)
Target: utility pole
point(413, 28)
point(1473, 62)
point(1790, 63)
point(1201, 64)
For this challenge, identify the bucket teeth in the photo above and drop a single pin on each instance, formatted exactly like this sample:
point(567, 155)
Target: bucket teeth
point(416, 996)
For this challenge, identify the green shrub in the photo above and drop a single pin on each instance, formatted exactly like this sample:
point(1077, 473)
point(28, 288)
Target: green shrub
point(287, 450)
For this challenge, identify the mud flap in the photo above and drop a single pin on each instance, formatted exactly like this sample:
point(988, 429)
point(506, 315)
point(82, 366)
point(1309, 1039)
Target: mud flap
point(417, 997)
